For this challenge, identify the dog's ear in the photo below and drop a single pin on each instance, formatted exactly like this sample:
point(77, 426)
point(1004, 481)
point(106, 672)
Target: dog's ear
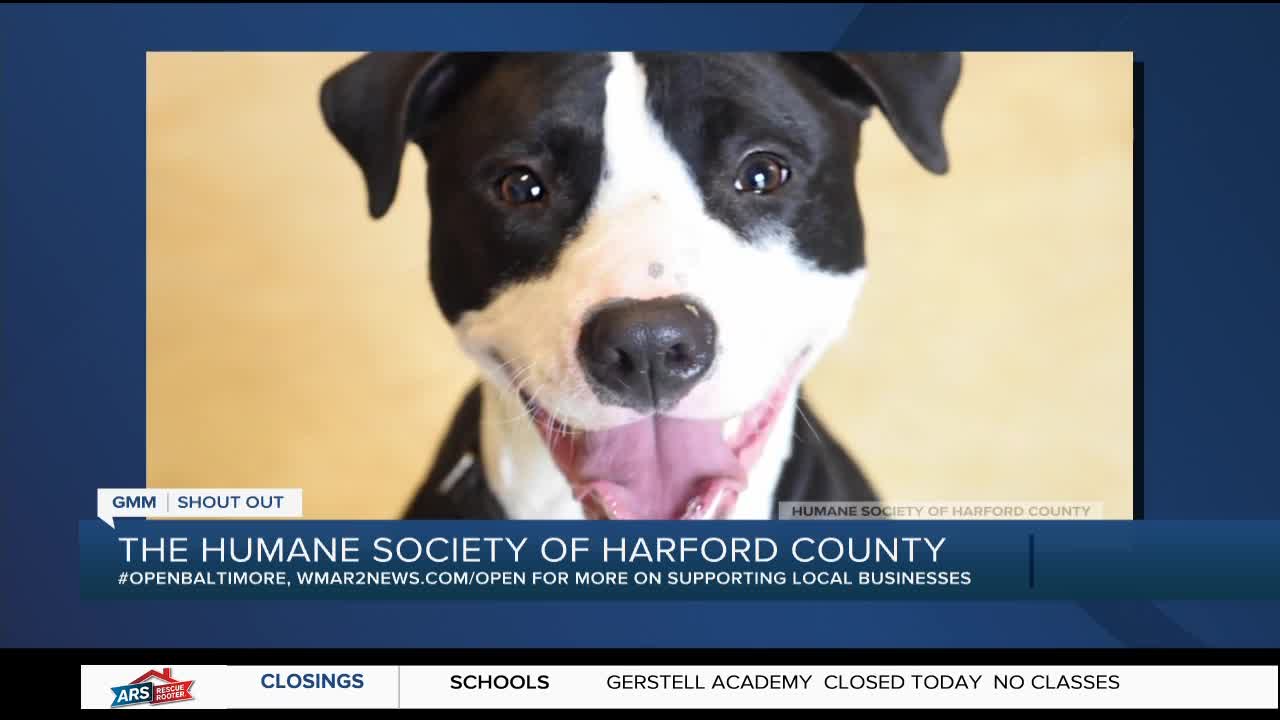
point(378, 103)
point(911, 89)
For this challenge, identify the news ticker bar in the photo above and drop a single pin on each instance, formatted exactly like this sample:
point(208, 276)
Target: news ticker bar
point(820, 560)
point(675, 686)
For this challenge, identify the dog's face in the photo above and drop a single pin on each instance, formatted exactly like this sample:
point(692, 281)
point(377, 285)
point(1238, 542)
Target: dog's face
point(648, 251)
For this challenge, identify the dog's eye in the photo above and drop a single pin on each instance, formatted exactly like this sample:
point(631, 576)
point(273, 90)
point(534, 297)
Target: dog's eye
point(761, 173)
point(521, 186)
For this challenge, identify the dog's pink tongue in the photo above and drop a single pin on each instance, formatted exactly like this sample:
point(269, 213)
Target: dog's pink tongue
point(658, 468)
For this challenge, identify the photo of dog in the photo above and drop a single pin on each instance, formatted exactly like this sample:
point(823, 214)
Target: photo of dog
point(639, 268)
point(602, 228)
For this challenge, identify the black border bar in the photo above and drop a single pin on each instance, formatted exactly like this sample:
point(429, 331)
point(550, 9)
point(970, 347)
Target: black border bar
point(48, 657)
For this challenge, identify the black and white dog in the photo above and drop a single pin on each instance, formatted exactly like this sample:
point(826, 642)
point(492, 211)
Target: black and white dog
point(645, 254)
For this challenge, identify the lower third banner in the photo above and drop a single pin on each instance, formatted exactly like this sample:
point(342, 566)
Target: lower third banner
point(672, 560)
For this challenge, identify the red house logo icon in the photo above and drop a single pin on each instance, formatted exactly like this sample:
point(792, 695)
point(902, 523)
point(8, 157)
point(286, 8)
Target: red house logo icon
point(154, 688)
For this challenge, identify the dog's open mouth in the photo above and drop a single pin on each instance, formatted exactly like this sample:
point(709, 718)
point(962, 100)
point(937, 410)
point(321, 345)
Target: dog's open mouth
point(663, 467)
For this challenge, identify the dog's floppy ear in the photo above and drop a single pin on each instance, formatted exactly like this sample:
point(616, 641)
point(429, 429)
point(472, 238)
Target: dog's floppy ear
point(379, 102)
point(911, 89)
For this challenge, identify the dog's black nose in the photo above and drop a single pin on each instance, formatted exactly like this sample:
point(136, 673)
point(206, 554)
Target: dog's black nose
point(647, 354)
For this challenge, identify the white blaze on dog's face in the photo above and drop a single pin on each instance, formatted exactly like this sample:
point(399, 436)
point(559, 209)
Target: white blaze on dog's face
point(646, 252)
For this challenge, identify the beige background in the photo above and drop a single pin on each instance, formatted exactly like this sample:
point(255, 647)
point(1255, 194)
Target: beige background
point(292, 341)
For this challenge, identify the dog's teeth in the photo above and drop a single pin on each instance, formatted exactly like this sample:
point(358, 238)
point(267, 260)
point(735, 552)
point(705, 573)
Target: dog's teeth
point(596, 507)
point(731, 427)
point(713, 507)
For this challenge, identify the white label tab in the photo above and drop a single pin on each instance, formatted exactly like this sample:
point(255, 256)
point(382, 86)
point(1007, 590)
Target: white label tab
point(198, 503)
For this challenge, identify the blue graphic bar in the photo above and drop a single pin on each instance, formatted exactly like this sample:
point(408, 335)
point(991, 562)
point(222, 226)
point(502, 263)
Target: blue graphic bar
point(685, 561)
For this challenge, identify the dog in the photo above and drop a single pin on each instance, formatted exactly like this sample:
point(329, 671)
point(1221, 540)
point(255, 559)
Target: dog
point(644, 254)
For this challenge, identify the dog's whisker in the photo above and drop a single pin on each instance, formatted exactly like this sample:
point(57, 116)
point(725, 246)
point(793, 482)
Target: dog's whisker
point(514, 377)
point(805, 418)
point(554, 425)
point(515, 382)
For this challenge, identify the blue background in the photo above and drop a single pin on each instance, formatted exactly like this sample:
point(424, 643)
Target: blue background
point(72, 113)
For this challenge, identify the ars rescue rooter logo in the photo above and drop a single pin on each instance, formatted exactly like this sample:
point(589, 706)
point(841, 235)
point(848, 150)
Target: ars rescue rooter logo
point(152, 688)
